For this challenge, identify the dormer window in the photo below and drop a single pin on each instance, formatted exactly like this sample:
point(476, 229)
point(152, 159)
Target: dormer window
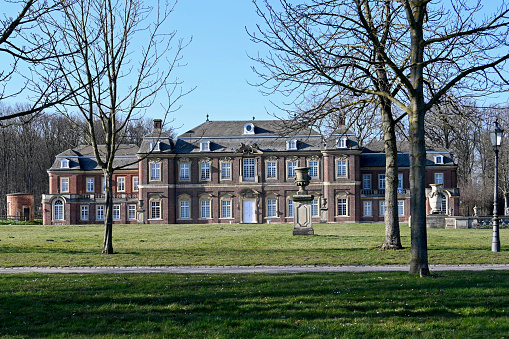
point(291, 144)
point(342, 143)
point(155, 146)
point(205, 146)
point(249, 128)
point(64, 163)
point(439, 159)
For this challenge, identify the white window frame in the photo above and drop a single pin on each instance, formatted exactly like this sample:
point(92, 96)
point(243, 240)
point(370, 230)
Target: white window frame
point(290, 208)
point(441, 180)
point(155, 146)
point(64, 185)
point(58, 210)
point(272, 207)
point(400, 181)
point(155, 171)
point(116, 212)
point(381, 181)
point(226, 208)
point(205, 171)
point(366, 182)
point(205, 210)
point(120, 184)
point(271, 167)
point(382, 208)
point(155, 210)
point(226, 170)
point(184, 171)
point(315, 208)
point(290, 168)
point(185, 206)
point(342, 142)
point(341, 168)
point(248, 169)
point(368, 208)
point(84, 215)
point(291, 145)
point(131, 211)
point(64, 163)
point(205, 146)
point(343, 202)
point(136, 183)
point(439, 159)
point(401, 207)
point(313, 168)
point(99, 212)
point(90, 185)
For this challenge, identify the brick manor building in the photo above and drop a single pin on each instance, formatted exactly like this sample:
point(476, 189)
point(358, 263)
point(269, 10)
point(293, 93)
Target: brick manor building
point(237, 172)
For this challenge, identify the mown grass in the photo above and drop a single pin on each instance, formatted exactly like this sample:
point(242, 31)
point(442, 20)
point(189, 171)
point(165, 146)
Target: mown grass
point(318, 305)
point(225, 244)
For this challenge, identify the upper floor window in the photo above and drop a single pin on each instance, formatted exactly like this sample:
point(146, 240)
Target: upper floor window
point(291, 144)
point(90, 185)
point(439, 178)
point(155, 146)
point(248, 169)
point(343, 142)
point(136, 182)
point(400, 181)
point(205, 146)
point(271, 169)
point(313, 169)
point(64, 163)
point(341, 170)
point(121, 184)
point(155, 171)
point(291, 168)
point(439, 159)
point(381, 181)
point(205, 171)
point(226, 170)
point(184, 171)
point(366, 181)
point(64, 185)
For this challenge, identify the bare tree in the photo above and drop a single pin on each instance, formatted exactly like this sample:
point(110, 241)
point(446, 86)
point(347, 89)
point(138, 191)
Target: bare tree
point(421, 49)
point(124, 60)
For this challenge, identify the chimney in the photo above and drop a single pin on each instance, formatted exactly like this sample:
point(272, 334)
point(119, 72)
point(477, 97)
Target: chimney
point(158, 124)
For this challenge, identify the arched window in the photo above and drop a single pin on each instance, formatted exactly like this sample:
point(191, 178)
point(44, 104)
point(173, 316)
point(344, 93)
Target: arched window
point(58, 210)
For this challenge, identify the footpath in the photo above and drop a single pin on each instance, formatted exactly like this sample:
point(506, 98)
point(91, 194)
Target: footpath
point(246, 269)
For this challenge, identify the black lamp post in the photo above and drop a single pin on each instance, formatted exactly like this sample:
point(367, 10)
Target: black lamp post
point(496, 140)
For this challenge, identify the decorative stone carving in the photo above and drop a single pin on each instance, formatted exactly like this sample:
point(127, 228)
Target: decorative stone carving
point(248, 149)
point(302, 201)
point(435, 198)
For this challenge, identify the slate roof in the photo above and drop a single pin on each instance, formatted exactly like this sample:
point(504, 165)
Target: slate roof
point(373, 155)
point(82, 158)
point(269, 135)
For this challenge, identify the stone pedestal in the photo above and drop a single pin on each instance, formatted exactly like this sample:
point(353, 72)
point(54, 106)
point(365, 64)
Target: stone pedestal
point(302, 221)
point(435, 221)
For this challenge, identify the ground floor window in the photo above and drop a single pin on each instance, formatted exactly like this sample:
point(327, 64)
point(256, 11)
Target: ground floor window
point(382, 208)
point(116, 212)
point(58, 210)
point(290, 208)
point(342, 207)
point(205, 209)
point(84, 212)
point(271, 208)
point(315, 208)
point(100, 212)
point(226, 208)
point(184, 209)
point(401, 208)
point(155, 209)
point(368, 211)
point(132, 212)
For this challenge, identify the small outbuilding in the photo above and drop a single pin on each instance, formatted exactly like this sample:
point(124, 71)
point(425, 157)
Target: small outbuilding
point(20, 206)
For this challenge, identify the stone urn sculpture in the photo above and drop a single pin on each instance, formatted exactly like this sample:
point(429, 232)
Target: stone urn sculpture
point(435, 198)
point(302, 218)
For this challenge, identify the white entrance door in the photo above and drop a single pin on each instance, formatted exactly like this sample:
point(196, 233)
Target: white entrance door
point(248, 211)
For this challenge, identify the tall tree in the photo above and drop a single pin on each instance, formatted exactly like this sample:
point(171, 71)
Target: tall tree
point(124, 60)
point(426, 50)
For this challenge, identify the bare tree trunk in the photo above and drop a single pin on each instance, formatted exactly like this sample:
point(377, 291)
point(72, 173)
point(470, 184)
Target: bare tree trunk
point(392, 233)
point(108, 218)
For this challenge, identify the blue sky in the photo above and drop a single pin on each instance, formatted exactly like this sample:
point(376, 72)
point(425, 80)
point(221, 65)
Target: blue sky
point(218, 63)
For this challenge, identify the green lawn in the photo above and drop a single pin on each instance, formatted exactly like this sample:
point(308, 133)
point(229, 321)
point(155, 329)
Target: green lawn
point(225, 244)
point(319, 305)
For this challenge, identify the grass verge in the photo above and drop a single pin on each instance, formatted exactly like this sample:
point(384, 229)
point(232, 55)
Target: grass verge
point(225, 244)
point(318, 305)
